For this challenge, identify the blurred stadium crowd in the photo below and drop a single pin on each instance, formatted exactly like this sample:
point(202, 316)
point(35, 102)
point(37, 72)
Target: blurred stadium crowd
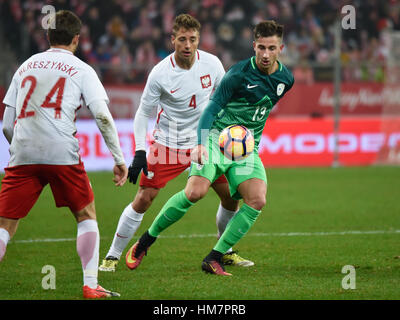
point(124, 39)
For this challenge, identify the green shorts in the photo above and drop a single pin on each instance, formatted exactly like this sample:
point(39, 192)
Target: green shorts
point(235, 172)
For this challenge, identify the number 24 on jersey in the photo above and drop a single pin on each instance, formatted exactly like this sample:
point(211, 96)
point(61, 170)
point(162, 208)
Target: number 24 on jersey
point(57, 90)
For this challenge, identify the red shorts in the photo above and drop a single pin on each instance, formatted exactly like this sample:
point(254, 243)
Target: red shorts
point(165, 164)
point(22, 185)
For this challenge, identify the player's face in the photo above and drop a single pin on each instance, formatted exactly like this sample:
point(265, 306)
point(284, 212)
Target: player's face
point(185, 42)
point(267, 51)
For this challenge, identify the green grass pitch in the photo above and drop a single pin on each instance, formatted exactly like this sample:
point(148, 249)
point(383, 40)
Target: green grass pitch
point(316, 221)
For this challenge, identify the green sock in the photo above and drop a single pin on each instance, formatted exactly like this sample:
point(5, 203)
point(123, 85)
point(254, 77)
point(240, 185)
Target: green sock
point(172, 211)
point(237, 228)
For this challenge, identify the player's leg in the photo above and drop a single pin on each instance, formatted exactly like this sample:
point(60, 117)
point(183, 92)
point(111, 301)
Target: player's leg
point(247, 180)
point(71, 188)
point(226, 211)
point(173, 210)
point(128, 223)
point(221, 188)
point(196, 188)
point(87, 243)
point(8, 227)
point(227, 207)
point(163, 166)
point(253, 192)
point(131, 219)
point(87, 246)
point(19, 183)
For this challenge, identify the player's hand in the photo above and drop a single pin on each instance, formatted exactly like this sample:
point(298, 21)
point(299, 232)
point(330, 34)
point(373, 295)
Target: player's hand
point(139, 163)
point(120, 174)
point(199, 154)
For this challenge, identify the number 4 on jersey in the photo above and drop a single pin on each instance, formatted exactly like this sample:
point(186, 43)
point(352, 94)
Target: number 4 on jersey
point(192, 103)
point(59, 89)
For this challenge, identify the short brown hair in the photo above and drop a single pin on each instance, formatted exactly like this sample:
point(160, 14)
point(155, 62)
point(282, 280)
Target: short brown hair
point(268, 28)
point(185, 21)
point(67, 26)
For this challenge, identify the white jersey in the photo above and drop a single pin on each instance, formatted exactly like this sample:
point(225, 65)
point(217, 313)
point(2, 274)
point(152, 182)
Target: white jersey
point(47, 90)
point(180, 96)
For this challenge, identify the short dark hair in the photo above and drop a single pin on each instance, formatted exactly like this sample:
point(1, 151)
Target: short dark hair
point(268, 28)
point(67, 26)
point(185, 21)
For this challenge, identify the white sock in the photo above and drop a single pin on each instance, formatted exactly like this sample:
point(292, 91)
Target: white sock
point(87, 246)
point(222, 219)
point(4, 238)
point(128, 224)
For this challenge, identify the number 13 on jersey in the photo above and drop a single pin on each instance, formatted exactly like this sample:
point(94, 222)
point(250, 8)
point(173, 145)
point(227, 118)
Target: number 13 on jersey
point(260, 113)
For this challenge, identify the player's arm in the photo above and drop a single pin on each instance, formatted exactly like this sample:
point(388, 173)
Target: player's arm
point(206, 120)
point(106, 125)
point(140, 126)
point(8, 122)
point(9, 116)
point(96, 99)
point(149, 100)
point(218, 101)
point(199, 153)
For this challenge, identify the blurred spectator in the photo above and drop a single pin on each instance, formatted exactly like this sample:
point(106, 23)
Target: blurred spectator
point(208, 39)
point(94, 23)
point(86, 44)
point(121, 62)
point(290, 54)
point(242, 44)
point(303, 73)
point(145, 59)
point(134, 35)
point(168, 15)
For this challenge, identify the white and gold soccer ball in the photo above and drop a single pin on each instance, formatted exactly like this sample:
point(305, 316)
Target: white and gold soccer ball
point(236, 142)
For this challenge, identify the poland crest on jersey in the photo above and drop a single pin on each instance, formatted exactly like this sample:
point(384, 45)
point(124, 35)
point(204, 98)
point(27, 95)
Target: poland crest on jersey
point(205, 81)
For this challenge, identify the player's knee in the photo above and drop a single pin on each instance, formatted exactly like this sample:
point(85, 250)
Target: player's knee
point(88, 212)
point(230, 204)
point(194, 195)
point(10, 225)
point(257, 202)
point(143, 200)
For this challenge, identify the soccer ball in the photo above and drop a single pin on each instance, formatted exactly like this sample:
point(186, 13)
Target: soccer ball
point(236, 142)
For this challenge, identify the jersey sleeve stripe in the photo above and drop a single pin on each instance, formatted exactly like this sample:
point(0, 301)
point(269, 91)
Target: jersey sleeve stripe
point(159, 115)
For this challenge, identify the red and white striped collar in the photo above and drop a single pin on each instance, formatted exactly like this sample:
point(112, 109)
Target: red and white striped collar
point(173, 61)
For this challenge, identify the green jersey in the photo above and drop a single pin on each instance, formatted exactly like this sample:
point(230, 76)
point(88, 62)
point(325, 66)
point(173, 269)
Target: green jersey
point(247, 95)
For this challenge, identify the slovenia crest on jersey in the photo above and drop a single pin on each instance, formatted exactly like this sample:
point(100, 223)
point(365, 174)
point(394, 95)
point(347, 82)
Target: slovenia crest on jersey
point(280, 88)
point(205, 81)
